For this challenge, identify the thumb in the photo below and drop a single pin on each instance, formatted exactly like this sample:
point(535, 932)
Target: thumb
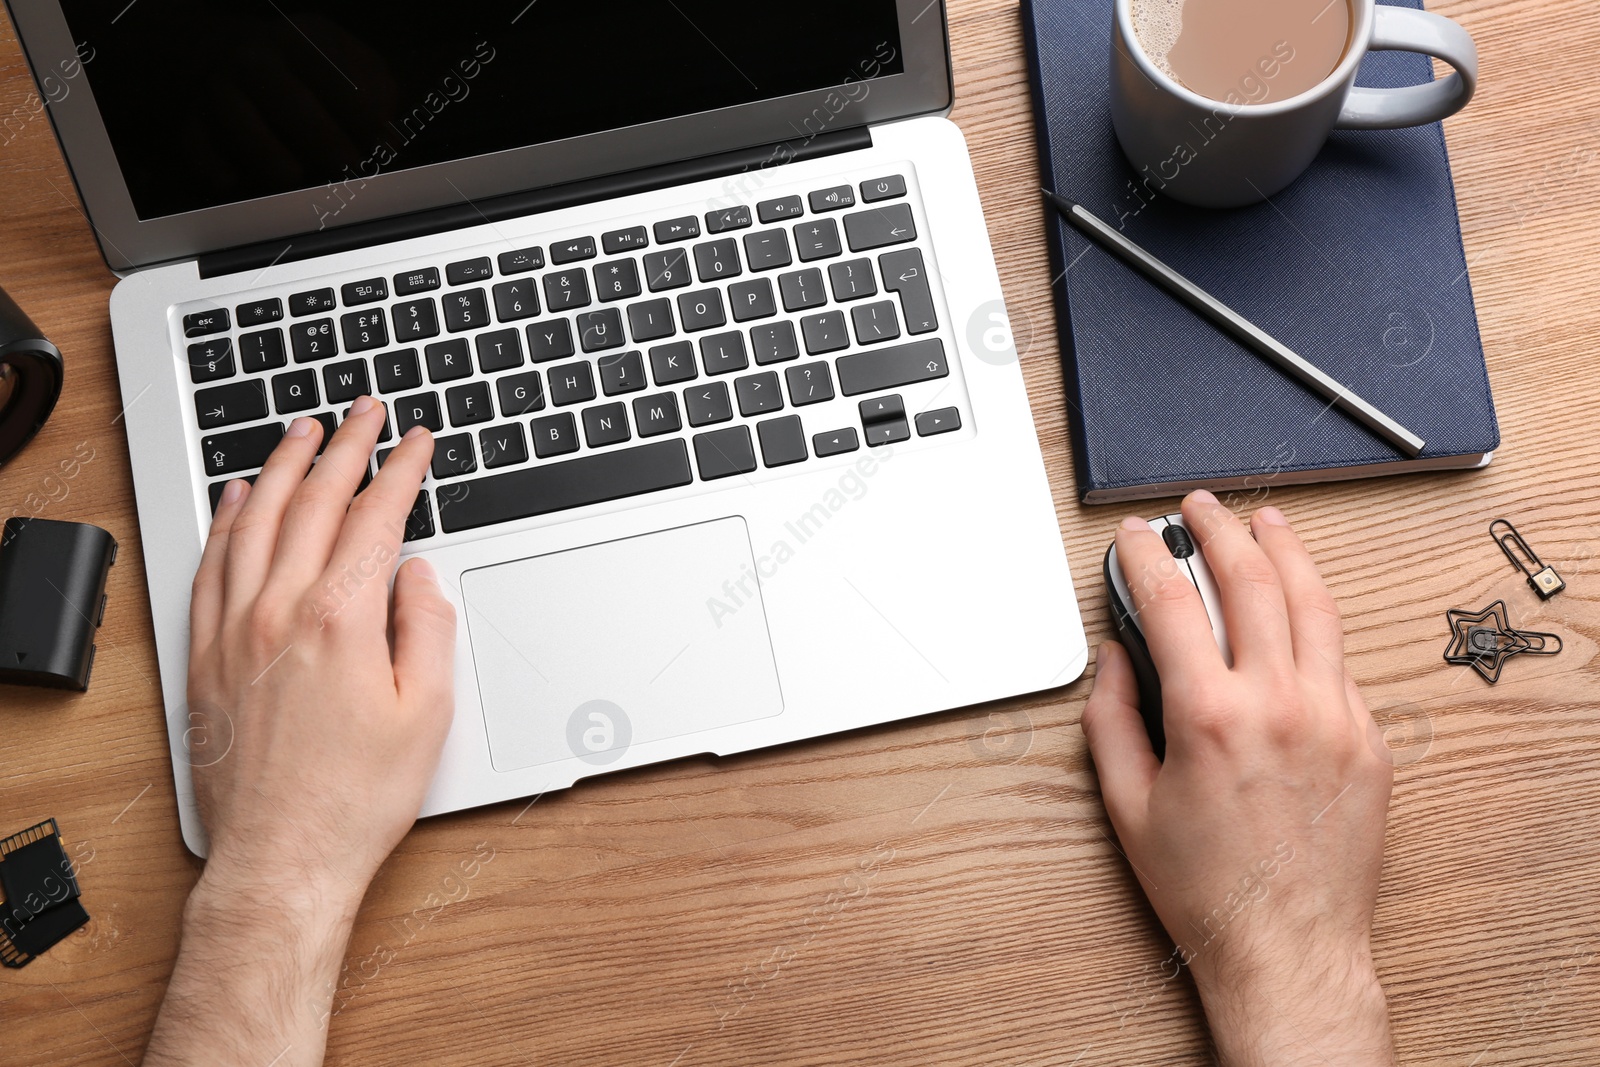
point(424, 639)
point(1117, 739)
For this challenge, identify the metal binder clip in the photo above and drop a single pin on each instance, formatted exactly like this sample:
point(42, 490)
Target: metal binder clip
point(1543, 577)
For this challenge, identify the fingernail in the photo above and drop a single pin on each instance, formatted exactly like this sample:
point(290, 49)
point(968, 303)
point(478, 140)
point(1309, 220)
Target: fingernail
point(423, 569)
point(1203, 496)
point(1272, 516)
point(301, 427)
point(232, 491)
point(1134, 522)
point(415, 431)
point(363, 405)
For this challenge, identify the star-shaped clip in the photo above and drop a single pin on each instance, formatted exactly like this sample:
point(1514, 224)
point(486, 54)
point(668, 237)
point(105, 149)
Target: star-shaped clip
point(1484, 640)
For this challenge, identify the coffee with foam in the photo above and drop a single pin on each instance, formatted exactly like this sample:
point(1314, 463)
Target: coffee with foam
point(1244, 51)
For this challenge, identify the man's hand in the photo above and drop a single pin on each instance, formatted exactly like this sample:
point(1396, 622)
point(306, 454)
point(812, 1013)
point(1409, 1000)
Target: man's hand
point(1260, 840)
point(333, 709)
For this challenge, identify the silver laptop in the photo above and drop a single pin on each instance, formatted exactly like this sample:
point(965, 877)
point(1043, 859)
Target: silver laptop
point(733, 449)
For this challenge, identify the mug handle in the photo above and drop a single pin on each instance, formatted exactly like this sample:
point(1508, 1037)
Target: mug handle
point(1404, 29)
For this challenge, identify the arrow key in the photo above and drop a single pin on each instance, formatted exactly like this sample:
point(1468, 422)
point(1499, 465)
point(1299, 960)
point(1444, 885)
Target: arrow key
point(834, 442)
point(224, 405)
point(941, 420)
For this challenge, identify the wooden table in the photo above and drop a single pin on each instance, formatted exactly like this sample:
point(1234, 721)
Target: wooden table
point(943, 890)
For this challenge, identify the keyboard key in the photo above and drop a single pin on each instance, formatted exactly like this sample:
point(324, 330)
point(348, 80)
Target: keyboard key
point(554, 435)
point(419, 409)
point(833, 199)
point(616, 280)
point(224, 405)
point(825, 332)
point(758, 394)
point(313, 341)
point(940, 420)
point(656, 414)
point(468, 404)
point(239, 450)
point(211, 361)
point(778, 210)
point(701, 310)
point(520, 394)
point(774, 343)
point(419, 523)
point(622, 373)
point(605, 425)
point(883, 189)
point(364, 331)
point(422, 280)
point(448, 360)
point(600, 330)
point(733, 218)
point(515, 300)
point(204, 323)
point(503, 446)
point(875, 322)
point(834, 443)
point(397, 370)
point(707, 404)
point(723, 353)
point(258, 312)
point(667, 270)
point(887, 433)
point(890, 225)
point(783, 441)
point(565, 290)
point(716, 260)
point(468, 270)
point(891, 408)
point(618, 241)
point(453, 456)
point(385, 434)
point(415, 320)
point(572, 251)
point(368, 292)
point(329, 424)
point(752, 300)
point(571, 383)
point(303, 304)
point(817, 239)
point(466, 310)
point(651, 320)
point(852, 280)
point(262, 351)
point(724, 453)
point(767, 249)
point(809, 383)
point(904, 273)
point(499, 350)
point(889, 368)
point(803, 289)
point(344, 382)
point(522, 260)
point(550, 340)
point(295, 390)
point(674, 363)
point(215, 491)
point(677, 230)
point(575, 483)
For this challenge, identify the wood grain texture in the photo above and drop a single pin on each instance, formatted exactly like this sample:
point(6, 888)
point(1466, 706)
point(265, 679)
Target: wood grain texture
point(945, 890)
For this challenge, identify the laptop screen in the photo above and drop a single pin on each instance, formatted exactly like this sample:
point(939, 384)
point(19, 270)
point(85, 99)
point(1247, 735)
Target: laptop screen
point(209, 103)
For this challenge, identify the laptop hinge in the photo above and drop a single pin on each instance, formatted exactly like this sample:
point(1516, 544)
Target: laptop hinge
point(513, 205)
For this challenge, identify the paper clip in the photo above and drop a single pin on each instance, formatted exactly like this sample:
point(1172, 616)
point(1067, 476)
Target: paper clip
point(1543, 577)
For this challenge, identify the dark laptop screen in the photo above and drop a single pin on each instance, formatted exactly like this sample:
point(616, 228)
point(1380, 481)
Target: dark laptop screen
point(209, 103)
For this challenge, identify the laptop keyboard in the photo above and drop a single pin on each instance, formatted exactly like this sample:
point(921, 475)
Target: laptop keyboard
point(587, 370)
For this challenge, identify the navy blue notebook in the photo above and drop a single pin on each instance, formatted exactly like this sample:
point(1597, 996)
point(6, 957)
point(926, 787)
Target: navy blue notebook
point(1358, 266)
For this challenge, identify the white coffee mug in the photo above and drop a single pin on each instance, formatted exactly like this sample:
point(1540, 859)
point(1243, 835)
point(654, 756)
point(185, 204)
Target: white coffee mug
point(1221, 154)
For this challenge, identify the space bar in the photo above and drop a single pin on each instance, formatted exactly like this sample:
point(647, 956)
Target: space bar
point(573, 483)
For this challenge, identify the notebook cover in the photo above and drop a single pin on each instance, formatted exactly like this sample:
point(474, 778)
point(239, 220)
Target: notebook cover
point(1358, 266)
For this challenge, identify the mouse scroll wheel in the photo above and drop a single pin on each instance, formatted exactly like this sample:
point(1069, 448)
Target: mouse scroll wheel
point(1178, 542)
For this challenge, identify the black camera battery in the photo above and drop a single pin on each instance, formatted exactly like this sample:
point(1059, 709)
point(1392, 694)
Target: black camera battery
point(52, 600)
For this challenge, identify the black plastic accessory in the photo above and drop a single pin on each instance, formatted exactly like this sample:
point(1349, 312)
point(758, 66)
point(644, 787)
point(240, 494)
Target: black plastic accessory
point(1484, 640)
point(31, 373)
point(52, 600)
point(41, 905)
point(1543, 577)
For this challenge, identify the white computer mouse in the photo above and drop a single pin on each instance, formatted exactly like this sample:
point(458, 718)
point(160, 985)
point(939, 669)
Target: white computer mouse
point(1191, 564)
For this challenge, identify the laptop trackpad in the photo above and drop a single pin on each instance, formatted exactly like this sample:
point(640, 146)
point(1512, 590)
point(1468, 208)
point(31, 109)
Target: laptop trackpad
point(585, 652)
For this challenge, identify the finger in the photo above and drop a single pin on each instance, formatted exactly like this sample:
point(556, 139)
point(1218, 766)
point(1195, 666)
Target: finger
point(1315, 629)
point(424, 641)
point(1169, 611)
point(316, 512)
point(1117, 738)
point(1252, 595)
point(254, 536)
point(206, 599)
point(375, 525)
